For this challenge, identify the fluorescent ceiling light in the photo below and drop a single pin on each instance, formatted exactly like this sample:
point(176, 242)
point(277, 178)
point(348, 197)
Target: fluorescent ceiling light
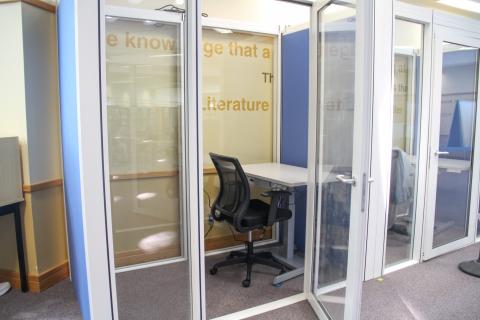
point(111, 19)
point(180, 2)
point(467, 5)
point(221, 30)
point(149, 22)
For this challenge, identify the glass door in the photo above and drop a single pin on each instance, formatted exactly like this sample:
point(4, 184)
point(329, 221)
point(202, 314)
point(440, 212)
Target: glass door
point(338, 134)
point(453, 169)
point(146, 152)
point(406, 157)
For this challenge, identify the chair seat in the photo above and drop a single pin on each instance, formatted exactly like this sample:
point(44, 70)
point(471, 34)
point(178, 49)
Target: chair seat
point(257, 214)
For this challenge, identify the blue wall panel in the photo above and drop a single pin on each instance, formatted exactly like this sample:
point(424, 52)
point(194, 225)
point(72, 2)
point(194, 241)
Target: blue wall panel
point(294, 127)
point(70, 149)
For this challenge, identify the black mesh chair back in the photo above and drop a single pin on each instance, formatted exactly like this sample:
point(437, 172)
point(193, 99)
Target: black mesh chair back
point(234, 196)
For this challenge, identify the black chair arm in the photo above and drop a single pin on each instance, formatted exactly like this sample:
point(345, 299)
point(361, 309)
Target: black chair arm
point(278, 201)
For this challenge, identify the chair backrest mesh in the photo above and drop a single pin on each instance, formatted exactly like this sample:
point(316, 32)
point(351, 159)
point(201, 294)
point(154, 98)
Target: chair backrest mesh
point(234, 192)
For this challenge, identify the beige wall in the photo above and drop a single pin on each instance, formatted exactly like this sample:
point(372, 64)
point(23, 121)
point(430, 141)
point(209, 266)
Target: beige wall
point(49, 228)
point(41, 92)
point(29, 109)
point(13, 120)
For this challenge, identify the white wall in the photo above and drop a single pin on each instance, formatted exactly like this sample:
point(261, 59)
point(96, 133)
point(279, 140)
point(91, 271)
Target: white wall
point(12, 95)
point(41, 92)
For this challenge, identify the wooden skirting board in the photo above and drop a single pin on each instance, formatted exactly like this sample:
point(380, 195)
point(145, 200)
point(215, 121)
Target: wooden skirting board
point(132, 257)
point(153, 174)
point(29, 188)
point(37, 283)
point(229, 241)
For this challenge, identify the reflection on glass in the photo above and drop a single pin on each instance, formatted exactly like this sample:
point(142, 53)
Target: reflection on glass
point(336, 64)
point(237, 109)
point(457, 128)
point(405, 141)
point(144, 103)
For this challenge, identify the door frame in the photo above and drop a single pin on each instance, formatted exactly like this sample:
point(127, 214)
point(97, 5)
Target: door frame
point(190, 158)
point(364, 45)
point(377, 223)
point(449, 34)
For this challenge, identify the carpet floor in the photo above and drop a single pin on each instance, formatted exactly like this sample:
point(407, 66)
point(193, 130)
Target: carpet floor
point(55, 303)
point(142, 293)
point(434, 290)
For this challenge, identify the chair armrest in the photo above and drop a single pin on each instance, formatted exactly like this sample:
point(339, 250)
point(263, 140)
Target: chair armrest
point(273, 192)
point(279, 198)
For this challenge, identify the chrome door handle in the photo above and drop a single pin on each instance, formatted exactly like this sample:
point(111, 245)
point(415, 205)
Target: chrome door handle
point(348, 180)
point(439, 153)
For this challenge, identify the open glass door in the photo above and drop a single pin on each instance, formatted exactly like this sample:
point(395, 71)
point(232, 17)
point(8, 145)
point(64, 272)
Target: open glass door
point(339, 139)
point(148, 164)
point(453, 169)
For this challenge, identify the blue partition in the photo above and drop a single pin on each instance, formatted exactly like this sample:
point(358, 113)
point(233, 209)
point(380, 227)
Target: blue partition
point(294, 126)
point(460, 139)
point(70, 151)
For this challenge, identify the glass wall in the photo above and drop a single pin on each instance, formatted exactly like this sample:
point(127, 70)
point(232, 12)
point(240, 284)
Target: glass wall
point(238, 112)
point(144, 98)
point(144, 60)
point(336, 89)
point(457, 131)
point(405, 141)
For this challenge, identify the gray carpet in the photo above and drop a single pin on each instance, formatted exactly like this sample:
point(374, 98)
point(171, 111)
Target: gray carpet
point(154, 293)
point(434, 290)
point(54, 303)
point(142, 293)
point(225, 293)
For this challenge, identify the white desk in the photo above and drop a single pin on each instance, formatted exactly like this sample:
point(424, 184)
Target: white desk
point(282, 176)
point(453, 165)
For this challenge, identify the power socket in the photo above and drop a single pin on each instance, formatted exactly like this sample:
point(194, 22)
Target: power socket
point(210, 219)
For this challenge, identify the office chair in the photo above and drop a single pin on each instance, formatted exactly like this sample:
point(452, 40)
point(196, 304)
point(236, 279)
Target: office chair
point(233, 205)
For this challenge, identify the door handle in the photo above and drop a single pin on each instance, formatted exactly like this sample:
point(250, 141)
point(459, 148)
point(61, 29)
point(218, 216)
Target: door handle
point(348, 180)
point(439, 153)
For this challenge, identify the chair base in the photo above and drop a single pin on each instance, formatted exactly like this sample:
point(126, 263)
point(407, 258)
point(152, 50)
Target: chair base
point(249, 258)
point(471, 267)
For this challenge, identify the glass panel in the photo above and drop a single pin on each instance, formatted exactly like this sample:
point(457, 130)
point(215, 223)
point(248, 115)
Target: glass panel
point(238, 113)
point(337, 24)
point(405, 141)
point(144, 103)
point(457, 128)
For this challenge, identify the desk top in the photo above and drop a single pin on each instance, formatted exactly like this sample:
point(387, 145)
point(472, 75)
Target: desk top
point(282, 174)
point(453, 164)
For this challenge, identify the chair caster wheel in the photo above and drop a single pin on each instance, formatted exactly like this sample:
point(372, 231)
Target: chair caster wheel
point(246, 283)
point(277, 285)
point(213, 271)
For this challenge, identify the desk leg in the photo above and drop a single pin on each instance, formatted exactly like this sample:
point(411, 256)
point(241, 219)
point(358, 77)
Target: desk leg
point(20, 250)
point(289, 229)
point(289, 246)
